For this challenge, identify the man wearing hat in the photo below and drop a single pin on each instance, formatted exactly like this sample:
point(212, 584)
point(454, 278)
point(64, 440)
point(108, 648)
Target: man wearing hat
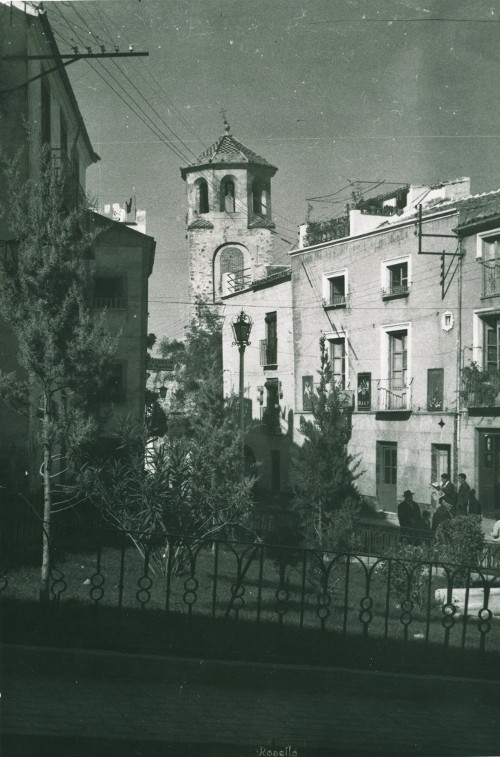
point(410, 518)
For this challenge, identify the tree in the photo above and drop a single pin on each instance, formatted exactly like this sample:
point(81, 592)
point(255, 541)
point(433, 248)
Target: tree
point(165, 496)
point(198, 367)
point(322, 471)
point(63, 348)
point(191, 484)
point(204, 416)
point(156, 420)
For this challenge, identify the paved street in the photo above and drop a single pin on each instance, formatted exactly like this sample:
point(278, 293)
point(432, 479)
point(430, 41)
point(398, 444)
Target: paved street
point(69, 702)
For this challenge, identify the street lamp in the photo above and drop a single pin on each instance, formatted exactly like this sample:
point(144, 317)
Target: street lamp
point(242, 326)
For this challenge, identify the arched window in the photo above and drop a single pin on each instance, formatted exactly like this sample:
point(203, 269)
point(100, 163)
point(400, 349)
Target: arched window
point(260, 195)
point(202, 196)
point(231, 270)
point(227, 195)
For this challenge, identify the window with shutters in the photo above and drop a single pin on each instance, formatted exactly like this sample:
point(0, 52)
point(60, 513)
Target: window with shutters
point(271, 339)
point(396, 278)
point(435, 389)
point(335, 289)
point(338, 362)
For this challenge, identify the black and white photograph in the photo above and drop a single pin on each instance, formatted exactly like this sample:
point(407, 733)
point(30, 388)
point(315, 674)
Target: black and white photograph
point(249, 378)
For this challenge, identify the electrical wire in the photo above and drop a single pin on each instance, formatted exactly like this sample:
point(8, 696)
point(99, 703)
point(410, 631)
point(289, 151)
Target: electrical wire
point(187, 159)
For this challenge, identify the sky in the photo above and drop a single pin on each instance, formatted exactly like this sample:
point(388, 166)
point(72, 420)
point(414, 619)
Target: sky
point(331, 92)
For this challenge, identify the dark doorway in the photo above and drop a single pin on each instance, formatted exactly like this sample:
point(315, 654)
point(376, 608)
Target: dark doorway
point(387, 475)
point(489, 470)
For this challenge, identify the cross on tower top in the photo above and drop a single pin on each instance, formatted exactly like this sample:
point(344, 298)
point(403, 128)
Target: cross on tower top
point(226, 123)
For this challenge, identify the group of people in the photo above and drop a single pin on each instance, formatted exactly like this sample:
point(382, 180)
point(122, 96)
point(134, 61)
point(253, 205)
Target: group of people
point(451, 502)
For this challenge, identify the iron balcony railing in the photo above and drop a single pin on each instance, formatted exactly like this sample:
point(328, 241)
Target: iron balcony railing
point(387, 395)
point(393, 395)
point(110, 303)
point(237, 280)
point(491, 279)
point(395, 290)
point(269, 351)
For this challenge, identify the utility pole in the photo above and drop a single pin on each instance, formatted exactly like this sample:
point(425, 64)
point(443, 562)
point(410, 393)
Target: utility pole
point(68, 60)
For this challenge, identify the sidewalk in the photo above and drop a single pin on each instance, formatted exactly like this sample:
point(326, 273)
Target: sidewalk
point(77, 703)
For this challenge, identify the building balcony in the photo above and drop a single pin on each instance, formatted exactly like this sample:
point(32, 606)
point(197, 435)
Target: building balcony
point(480, 389)
point(491, 279)
point(385, 396)
point(237, 280)
point(268, 352)
point(394, 291)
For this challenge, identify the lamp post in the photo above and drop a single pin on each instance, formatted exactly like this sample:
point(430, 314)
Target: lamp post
point(242, 326)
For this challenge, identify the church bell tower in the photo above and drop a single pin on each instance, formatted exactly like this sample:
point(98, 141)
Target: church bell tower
point(229, 226)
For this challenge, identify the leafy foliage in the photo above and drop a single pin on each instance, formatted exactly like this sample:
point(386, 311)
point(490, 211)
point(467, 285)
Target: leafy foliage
point(63, 349)
point(171, 492)
point(409, 571)
point(192, 482)
point(322, 471)
point(198, 360)
point(460, 541)
point(341, 534)
point(479, 388)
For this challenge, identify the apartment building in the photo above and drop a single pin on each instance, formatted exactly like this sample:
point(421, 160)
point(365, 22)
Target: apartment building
point(403, 323)
point(38, 107)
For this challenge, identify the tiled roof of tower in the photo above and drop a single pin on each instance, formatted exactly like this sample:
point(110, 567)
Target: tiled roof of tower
point(227, 149)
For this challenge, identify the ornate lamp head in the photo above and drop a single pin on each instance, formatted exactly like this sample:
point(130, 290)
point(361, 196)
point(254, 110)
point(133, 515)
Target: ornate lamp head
point(242, 326)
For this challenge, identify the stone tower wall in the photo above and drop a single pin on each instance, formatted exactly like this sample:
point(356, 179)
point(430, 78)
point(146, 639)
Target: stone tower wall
point(227, 229)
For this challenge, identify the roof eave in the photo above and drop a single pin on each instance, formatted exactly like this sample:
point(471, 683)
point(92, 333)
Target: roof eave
point(227, 164)
point(47, 29)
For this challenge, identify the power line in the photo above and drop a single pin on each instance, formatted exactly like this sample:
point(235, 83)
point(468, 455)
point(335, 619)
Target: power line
point(187, 160)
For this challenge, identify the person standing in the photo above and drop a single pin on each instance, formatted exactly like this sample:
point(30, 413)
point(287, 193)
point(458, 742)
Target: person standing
point(441, 515)
point(449, 491)
point(474, 504)
point(463, 495)
point(410, 519)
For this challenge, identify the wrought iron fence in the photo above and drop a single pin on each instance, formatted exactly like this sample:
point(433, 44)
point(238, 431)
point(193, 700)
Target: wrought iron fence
point(372, 597)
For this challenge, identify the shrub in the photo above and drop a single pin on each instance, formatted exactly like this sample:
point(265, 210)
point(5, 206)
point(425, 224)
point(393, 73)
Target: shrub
point(284, 544)
point(409, 573)
point(341, 534)
point(460, 541)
